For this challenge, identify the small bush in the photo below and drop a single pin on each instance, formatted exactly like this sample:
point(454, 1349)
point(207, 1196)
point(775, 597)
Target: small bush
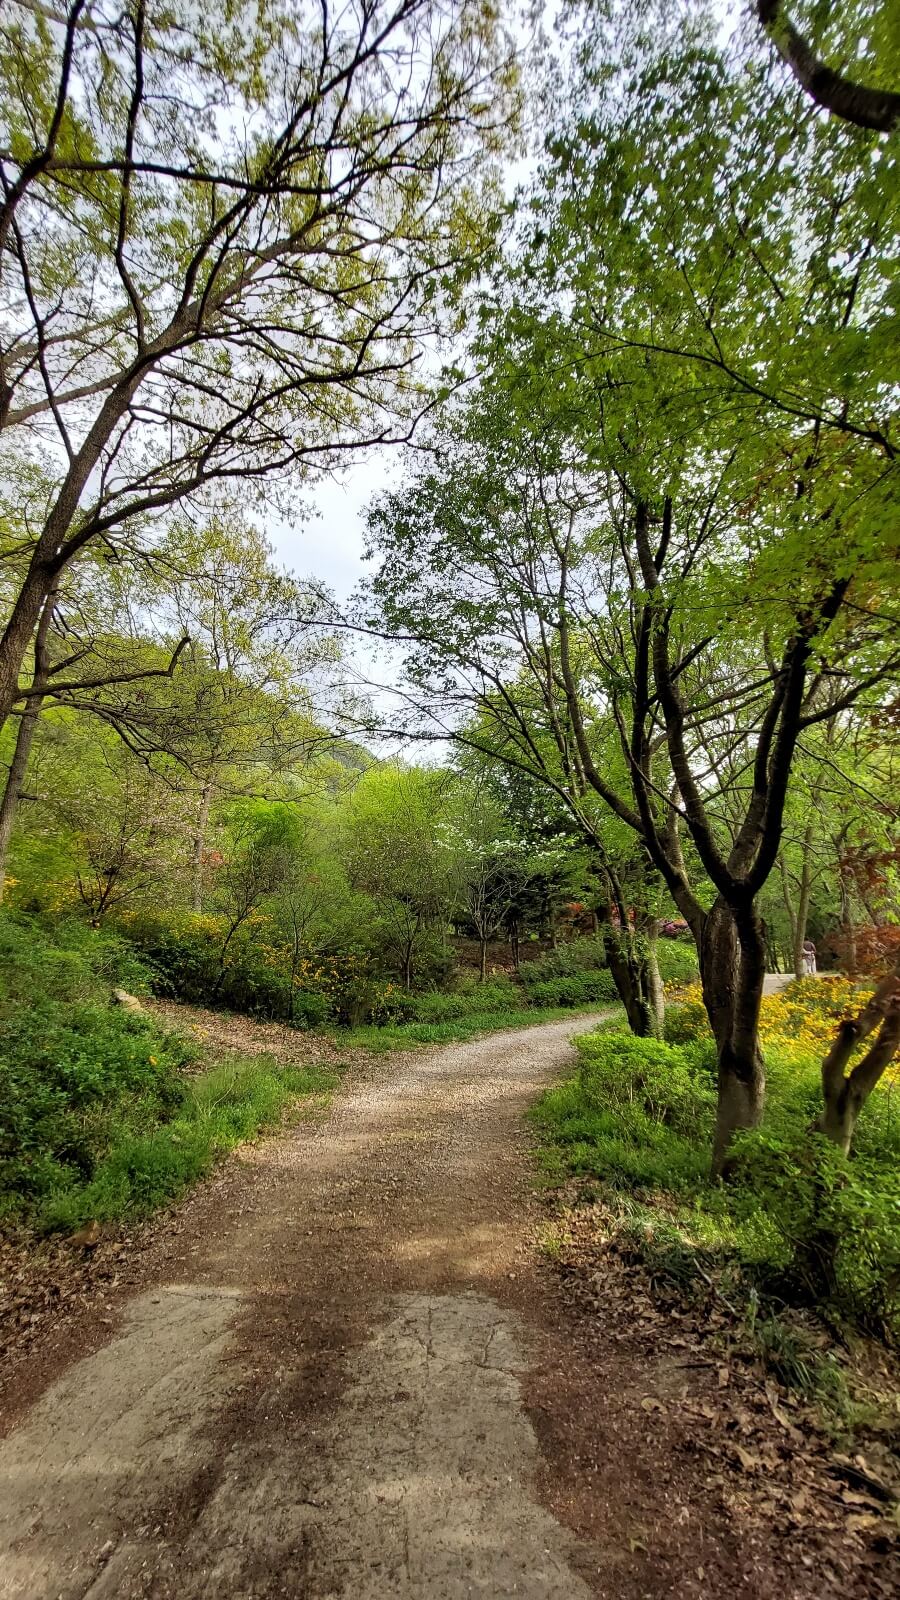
point(677, 960)
point(581, 989)
point(309, 1010)
point(566, 961)
point(632, 1114)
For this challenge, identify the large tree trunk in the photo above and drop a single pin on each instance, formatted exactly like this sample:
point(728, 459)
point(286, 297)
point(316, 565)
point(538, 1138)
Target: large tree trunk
point(732, 970)
point(482, 960)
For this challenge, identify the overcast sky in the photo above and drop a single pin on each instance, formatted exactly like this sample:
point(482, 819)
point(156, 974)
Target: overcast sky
point(326, 539)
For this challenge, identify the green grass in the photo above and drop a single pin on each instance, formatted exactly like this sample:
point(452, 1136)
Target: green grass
point(455, 1030)
point(636, 1123)
point(235, 1100)
point(98, 1117)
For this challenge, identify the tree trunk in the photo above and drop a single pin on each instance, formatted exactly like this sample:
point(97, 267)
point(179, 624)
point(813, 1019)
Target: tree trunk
point(25, 734)
point(788, 949)
point(838, 1118)
point(732, 970)
point(656, 993)
point(802, 915)
point(295, 962)
point(629, 966)
point(482, 960)
point(845, 1093)
point(199, 847)
point(849, 934)
point(57, 545)
point(17, 770)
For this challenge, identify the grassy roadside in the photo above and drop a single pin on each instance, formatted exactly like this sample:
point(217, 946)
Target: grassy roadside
point(107, 1113)
point(223, 1106)
point(239, 1097)
point(458, 1030)
point(623, 1150)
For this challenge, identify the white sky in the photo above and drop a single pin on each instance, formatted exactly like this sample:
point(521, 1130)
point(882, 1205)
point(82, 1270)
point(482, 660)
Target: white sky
point(326, 540)
point(325, 543)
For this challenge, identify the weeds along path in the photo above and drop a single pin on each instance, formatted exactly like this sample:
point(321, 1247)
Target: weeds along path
point(320, 1393)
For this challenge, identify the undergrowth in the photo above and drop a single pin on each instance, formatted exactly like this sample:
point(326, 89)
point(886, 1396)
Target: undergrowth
point(471, 1024)
point(221, 1108)
point(636, 1123)
point(98, 1119)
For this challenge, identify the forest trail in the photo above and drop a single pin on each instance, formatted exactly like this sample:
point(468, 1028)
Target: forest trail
point(319, 1394)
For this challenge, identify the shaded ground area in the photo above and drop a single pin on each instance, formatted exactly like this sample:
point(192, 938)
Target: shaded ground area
point(218, 1031)
point(348, 1372)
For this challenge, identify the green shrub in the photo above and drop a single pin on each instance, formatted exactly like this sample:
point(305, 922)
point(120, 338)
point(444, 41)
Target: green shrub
point(180, 950)
point(581, 989)
point(677, 960)
point(620, 1072)
point(97, 1118)
point(496, 995)
point(632, 1113)
point(836, 1222)
point(628, 1151)
point(308, 1009)
point(566, 961)
point(183, 953)
point(686, 1020)
point(68, 962)
point(77, 1074)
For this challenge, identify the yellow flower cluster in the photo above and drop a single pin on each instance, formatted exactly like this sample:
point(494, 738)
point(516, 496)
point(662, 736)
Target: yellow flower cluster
point(799, 1022)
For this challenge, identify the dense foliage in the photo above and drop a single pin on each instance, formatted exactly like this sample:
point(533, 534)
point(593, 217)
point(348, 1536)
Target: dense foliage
point(646, 559)
point(799, 1222)
point(98, 1119)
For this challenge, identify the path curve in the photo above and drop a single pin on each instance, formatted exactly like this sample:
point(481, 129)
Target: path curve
point(321, 1394)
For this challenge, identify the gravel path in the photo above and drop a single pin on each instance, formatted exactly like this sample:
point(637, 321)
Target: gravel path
point(319, 1394)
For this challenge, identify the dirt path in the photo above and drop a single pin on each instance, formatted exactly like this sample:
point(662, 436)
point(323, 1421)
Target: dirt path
point(320, 1393)
point(343, 1371)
